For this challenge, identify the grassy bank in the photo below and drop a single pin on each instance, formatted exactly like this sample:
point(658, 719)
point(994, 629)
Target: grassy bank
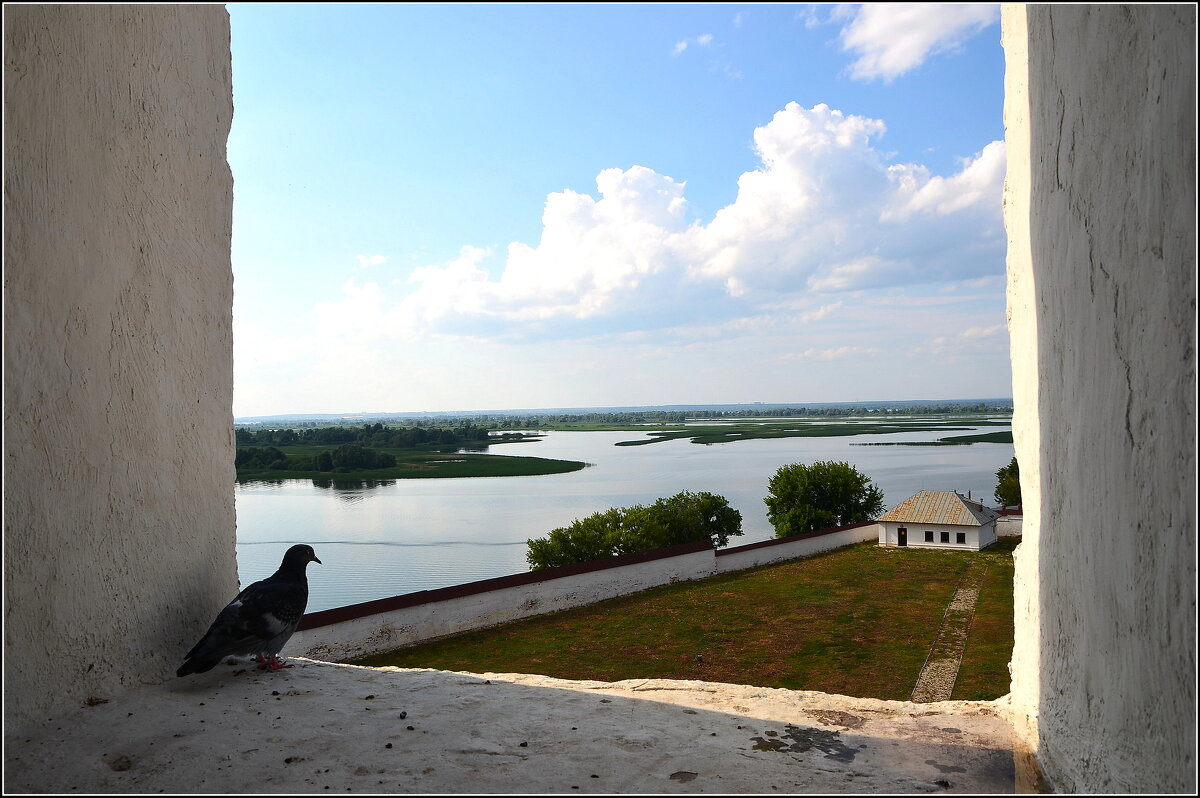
point(856, 621)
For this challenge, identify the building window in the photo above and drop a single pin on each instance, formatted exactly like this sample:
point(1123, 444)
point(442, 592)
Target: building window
point(945, 537)
point(928, 536)
point(960, 537)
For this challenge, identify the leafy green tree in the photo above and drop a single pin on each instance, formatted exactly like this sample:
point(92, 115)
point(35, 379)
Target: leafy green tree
point(587, 539)
point(804, 498)
point(1008, 487)
point(690, 516)
point(682, 518)
point(254, 457)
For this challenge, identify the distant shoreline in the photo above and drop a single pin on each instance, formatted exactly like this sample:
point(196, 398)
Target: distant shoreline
point(999, 404)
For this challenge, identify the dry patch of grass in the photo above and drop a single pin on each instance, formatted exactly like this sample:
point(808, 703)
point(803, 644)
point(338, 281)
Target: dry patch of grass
point(856, 621)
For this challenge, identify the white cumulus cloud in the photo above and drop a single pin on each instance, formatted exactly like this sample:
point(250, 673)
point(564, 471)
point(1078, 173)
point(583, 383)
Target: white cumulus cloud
point(917, 192)
point(824, 213)
point(890, 39)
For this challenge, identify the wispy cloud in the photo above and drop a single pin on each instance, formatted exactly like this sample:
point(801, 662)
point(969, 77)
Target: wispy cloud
point(703, 40)
point(821, 312)
point(984, 332)
point(890, 39)
point(840, 353)
point(967, 341)
point(367, 261)
point(718, 60)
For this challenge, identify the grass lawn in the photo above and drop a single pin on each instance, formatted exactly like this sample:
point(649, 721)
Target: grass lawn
point(857, 621)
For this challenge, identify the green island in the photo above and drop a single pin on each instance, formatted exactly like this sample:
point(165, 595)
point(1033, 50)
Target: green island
point(351, 454)
point(951, 440)
point(425, 465)
point(803, 428)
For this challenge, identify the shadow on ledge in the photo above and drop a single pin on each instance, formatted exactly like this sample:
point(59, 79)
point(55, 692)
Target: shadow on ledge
point(322, 726)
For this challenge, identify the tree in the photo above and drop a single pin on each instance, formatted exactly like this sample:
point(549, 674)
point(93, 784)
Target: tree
point(691, 516)
point(254, 457)
point(683, 518)
point(805, 498)
point(1008, 488)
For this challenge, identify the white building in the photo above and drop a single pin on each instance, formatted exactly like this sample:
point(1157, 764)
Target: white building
point(1008, 525)
point(939, 519)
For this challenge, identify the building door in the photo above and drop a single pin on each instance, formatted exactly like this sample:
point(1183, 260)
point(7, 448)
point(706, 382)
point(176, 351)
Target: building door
point(902, 536)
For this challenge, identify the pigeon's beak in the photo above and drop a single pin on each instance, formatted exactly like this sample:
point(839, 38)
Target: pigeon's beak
point(318, 562)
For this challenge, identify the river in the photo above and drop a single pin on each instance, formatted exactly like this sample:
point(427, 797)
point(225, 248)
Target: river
point(418, 534)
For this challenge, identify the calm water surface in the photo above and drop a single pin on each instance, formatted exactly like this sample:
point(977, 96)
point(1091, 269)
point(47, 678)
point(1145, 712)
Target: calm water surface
point(419, 534)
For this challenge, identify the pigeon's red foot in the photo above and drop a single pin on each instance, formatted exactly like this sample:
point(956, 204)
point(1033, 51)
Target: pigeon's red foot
point(272, 664)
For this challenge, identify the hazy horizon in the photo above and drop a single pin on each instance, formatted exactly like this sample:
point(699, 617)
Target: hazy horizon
point(625, 408)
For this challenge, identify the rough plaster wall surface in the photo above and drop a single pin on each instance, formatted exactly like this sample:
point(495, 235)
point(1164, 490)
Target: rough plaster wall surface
point(1111, 311)
point(119, 523)
point(1022, 333)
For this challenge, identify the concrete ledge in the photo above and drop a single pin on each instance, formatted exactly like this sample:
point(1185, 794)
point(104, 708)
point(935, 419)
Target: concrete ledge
point(325, 728)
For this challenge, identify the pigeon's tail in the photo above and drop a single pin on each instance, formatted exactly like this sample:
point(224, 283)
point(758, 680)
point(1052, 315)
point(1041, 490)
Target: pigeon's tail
point(197, 665)
point(203, 657)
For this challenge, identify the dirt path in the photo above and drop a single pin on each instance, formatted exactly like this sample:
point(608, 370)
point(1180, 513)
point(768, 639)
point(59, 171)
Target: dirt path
point(937, 678)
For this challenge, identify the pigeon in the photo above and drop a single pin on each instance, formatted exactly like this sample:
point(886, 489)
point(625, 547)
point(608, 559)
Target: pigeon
point(260, 620)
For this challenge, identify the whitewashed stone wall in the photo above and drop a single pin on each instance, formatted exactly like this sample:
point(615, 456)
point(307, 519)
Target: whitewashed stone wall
point(118, 477)
point(1008, 526)
point(1100, 206)
point(384, 631)
point(751, 555)
point(379, 628)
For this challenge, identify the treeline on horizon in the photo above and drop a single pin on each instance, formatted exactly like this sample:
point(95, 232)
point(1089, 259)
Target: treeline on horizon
point(477, 425)
point(369, 435)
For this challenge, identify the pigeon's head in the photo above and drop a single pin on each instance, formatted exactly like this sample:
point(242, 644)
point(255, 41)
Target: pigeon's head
point(299, 556)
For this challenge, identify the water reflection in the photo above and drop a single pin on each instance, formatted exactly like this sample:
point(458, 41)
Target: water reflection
point(350, 491)
point(351, 484)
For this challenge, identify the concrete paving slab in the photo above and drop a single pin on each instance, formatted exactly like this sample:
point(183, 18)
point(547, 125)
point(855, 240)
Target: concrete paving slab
point(322, 728)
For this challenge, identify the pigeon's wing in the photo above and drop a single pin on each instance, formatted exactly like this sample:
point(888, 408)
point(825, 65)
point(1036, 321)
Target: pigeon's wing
point(271, 609)
point(227, 635)
point(248, 624)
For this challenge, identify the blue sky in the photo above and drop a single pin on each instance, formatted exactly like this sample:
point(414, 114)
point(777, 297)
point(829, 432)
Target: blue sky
point(467, 207)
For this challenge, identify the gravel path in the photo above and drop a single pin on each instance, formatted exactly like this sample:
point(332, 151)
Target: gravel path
point(937, 678)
